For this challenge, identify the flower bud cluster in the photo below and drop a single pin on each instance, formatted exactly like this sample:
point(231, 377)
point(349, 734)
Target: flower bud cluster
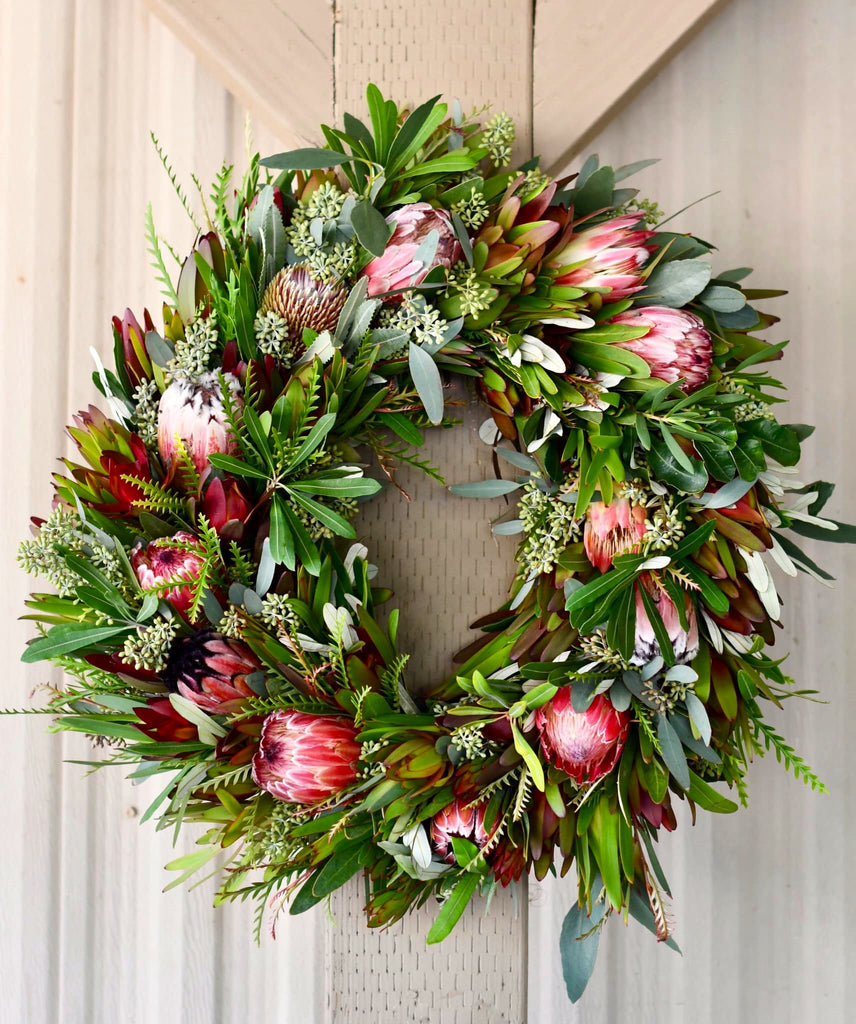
point(146, 399)
point(750, 409)
point(549, 524)
point(666, 694)
point(422, 322)
point(595, 647)
point(278, 614)
point(475, 295)
point(275, 839)
point(327, 254)
point(499, 138)
point(149, 647)
point(273, 336)
point(63, 529)
point(666, 526)
point(470, 741)
point(473, 210)
point(193, 352)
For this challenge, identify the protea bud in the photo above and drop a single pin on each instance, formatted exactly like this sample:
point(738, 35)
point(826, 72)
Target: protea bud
point(132, 336)
point(224, 504)
point(306, 759)
point(210, 669)
point(676, 345)
point(398, 268)
point(161, 562)
point(613, 529)
point(606, 256)
point(584, 744)
point(304, 302)
point(684, 641)
point(191, 412)
point(457, 820)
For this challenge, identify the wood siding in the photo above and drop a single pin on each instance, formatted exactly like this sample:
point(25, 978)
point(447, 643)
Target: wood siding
point(757, 105)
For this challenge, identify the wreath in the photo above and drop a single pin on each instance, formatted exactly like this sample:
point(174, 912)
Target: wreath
point(222, 629)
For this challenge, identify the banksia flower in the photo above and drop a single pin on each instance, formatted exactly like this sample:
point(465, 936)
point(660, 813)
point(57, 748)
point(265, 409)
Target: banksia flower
point(676, 345)
point(306, 759)
point(191, 413)
point(398, 268)
point(584, 744)
point(457, 820)
point(303, 301)
point(608, 256)
point(159, 563)
point(210, 669)
point(614, 529)
point(684, 641)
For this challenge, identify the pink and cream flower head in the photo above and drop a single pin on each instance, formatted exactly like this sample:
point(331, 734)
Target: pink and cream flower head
point(192, 413)
point(584, 744)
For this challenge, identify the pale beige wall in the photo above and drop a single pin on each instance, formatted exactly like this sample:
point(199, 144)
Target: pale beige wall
point(756, 106)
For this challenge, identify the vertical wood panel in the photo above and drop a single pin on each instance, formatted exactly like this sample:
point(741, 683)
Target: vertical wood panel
point(758, 105)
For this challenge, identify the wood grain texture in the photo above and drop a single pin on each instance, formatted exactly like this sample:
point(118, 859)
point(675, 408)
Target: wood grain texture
point(276, 56)
point(758, 106)
point(590, 58)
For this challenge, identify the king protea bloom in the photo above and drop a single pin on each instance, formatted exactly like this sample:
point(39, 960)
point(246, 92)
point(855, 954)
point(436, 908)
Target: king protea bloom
point(613, 529)
point(677, 346)
point(306, 759)
point(609, 256)
point(684, 641)
point(191, 413)
point(303, 301)
point(166, 561)
point(457, 820)
point(398, 267)
point(210, 669)
point(584, 744)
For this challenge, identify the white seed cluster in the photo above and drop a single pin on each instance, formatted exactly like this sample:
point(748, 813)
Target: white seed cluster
point(193, 352)
point(596, 649)
point(146, 398)
point(232, 623)
point(272, 336)
point(475, 295)
point(666, 695)
point(751, 409)
point(276, 841)
point(421, 321)
point(666, 526)
point(278, 614)
point(326, 257)
point(473, 210)
point(549, 524)
point(471, 743)
point(63, 529)
point(499, 138)
point(149, 647)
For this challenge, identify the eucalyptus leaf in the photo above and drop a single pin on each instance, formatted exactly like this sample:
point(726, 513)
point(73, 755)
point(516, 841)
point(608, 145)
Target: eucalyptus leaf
point(427, 381)
point(674, 283)
point(578, 947)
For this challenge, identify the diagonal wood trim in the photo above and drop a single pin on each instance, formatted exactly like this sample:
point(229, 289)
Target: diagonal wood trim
point(276, 56)
point(589, 59)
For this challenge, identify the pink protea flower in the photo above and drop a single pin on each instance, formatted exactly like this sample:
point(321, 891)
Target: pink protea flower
point(306, 759)
point(192, 411)
point(684, 641)
point(210, 669)
point(609, 256)
point(163, 561)
point(397, 268)
point(457, 820)
point(224, 505)
point(676, 345)
point(585, 745)
point(613, 529)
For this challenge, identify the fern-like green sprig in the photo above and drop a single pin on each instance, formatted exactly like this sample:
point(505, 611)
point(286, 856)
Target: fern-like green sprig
point(167, 287)
point(173, 178)
point(785, 754)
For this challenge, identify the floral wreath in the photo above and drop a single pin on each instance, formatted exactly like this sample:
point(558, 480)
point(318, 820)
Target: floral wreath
point(219, 631)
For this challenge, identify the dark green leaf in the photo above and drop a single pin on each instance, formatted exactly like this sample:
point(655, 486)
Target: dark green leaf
point(453, 907)
point(371, 229)
point(673, 752)
point(675, 283)
point(309, 159)
point(578, 947)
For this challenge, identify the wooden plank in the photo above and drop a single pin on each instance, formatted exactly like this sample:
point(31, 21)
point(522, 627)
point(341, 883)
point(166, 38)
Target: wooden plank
point(763, 910)
point(275, 56)
point(589, 59)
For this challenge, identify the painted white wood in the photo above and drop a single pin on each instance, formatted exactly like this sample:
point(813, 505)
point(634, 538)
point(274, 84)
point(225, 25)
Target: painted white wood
point(759, 106)
point(590, 58)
